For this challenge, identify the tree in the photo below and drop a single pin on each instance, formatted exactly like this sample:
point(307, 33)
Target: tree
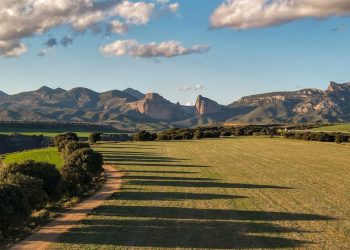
point(14, 208)
point(73, 146)
point(48, 173)
point(94, 137)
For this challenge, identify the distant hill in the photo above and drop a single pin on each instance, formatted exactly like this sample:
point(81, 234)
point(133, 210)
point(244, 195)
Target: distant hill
point(132, 109)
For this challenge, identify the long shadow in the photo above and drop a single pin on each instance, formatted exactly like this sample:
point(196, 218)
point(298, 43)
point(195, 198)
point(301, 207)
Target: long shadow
point(141, 159)
point(170, 196)
point(201, 184)
point(156, 164)
point(171, 178)
point(159, 172)
point(180, 234)
point(204, 214)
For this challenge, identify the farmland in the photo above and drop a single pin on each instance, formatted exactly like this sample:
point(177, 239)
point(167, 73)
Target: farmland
point(345, 128)
point(222, 193)
point(49, 155)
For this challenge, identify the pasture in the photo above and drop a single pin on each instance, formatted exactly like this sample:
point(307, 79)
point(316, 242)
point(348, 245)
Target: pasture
point(222, 193)
point(345, 128)
point(49, 155)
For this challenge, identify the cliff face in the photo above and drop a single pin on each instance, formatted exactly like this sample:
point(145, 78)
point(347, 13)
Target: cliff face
point(155, 106)
point(206, 106)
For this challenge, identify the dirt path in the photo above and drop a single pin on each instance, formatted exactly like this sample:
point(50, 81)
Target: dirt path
point(50, 232)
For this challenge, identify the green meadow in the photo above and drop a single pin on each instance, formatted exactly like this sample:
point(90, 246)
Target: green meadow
point(221, 194)
point(49, 155)
point(335, 128)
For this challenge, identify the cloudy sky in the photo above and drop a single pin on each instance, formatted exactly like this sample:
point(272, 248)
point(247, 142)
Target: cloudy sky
point(220, 49)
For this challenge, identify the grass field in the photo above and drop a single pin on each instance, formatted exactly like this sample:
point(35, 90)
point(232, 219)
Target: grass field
point(223, 193)
point(336, 128)
point(50, 155)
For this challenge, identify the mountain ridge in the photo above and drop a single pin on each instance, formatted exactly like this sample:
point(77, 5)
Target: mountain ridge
point(130, 107)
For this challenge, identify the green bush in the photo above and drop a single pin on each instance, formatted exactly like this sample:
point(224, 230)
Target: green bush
point(145, 136)
point(81, 170)
point(14, 208)
point(94, 137)
point(62, 140)
point(31, 187)
point(50, 176)
point(73, 146)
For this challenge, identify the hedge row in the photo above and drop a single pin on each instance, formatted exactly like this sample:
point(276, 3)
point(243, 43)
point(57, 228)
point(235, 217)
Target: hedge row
point(315, 136)
point(32, 185)
point(206, 132)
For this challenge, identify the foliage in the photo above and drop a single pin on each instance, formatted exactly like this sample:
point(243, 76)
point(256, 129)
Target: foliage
point(62, 140)
point(317, 136)
point(48, 173)
point(145, 136)
point(32, 188)
point(94, 137)
point(73, 146)
point(14, 208)
point(81, 170)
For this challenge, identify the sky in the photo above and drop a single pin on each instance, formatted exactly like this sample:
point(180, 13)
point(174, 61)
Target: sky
point(220, 49)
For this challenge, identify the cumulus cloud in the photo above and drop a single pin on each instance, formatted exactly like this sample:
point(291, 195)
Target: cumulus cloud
point(186, 88)
point(12, 48)
point(164, 49)
point(118, 27)
point(21, 19)
point(247, 14)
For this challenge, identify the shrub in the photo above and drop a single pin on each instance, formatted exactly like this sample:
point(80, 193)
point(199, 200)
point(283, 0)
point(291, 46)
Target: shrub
point(32, 188)
point(50, 176)
point(340, 138)
point(145, 136)
point(69, 136)
point(81, 169)
point(73, 146)
point(94, 137)
point(14, 208)
point(62, 140)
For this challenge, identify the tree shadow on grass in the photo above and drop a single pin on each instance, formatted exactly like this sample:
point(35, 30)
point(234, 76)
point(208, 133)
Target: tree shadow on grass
point(170, 196)
point(201, 184)
point(204, 214)
point(179, 234)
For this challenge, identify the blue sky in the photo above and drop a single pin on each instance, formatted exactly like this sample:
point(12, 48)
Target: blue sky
point(305, 52)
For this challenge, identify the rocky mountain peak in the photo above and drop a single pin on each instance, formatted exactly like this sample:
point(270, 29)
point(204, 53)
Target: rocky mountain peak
point(135, 93)
point(206, 106)
point(335, 87)
point(2, 94)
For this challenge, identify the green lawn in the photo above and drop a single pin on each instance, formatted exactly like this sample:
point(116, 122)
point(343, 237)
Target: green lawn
point(222, 194)
point(336, 128)
point(50, 155)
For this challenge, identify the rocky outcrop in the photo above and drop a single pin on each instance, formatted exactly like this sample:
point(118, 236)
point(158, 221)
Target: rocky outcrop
point(206, 106)
point(156, 107)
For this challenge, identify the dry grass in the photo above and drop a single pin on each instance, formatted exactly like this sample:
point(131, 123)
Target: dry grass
point(223, 193)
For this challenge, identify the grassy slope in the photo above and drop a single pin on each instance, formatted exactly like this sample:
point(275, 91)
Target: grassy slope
point(50, 155)
point(227, 193)
point(337, 128)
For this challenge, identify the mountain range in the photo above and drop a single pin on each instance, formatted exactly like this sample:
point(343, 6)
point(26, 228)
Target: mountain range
point(131, 109)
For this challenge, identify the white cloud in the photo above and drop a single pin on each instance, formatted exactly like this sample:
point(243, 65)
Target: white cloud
point(246, 14)
point(26, 18)
point(186, 88)
point(12, 48)
point(118, 27)
point(164, 49)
